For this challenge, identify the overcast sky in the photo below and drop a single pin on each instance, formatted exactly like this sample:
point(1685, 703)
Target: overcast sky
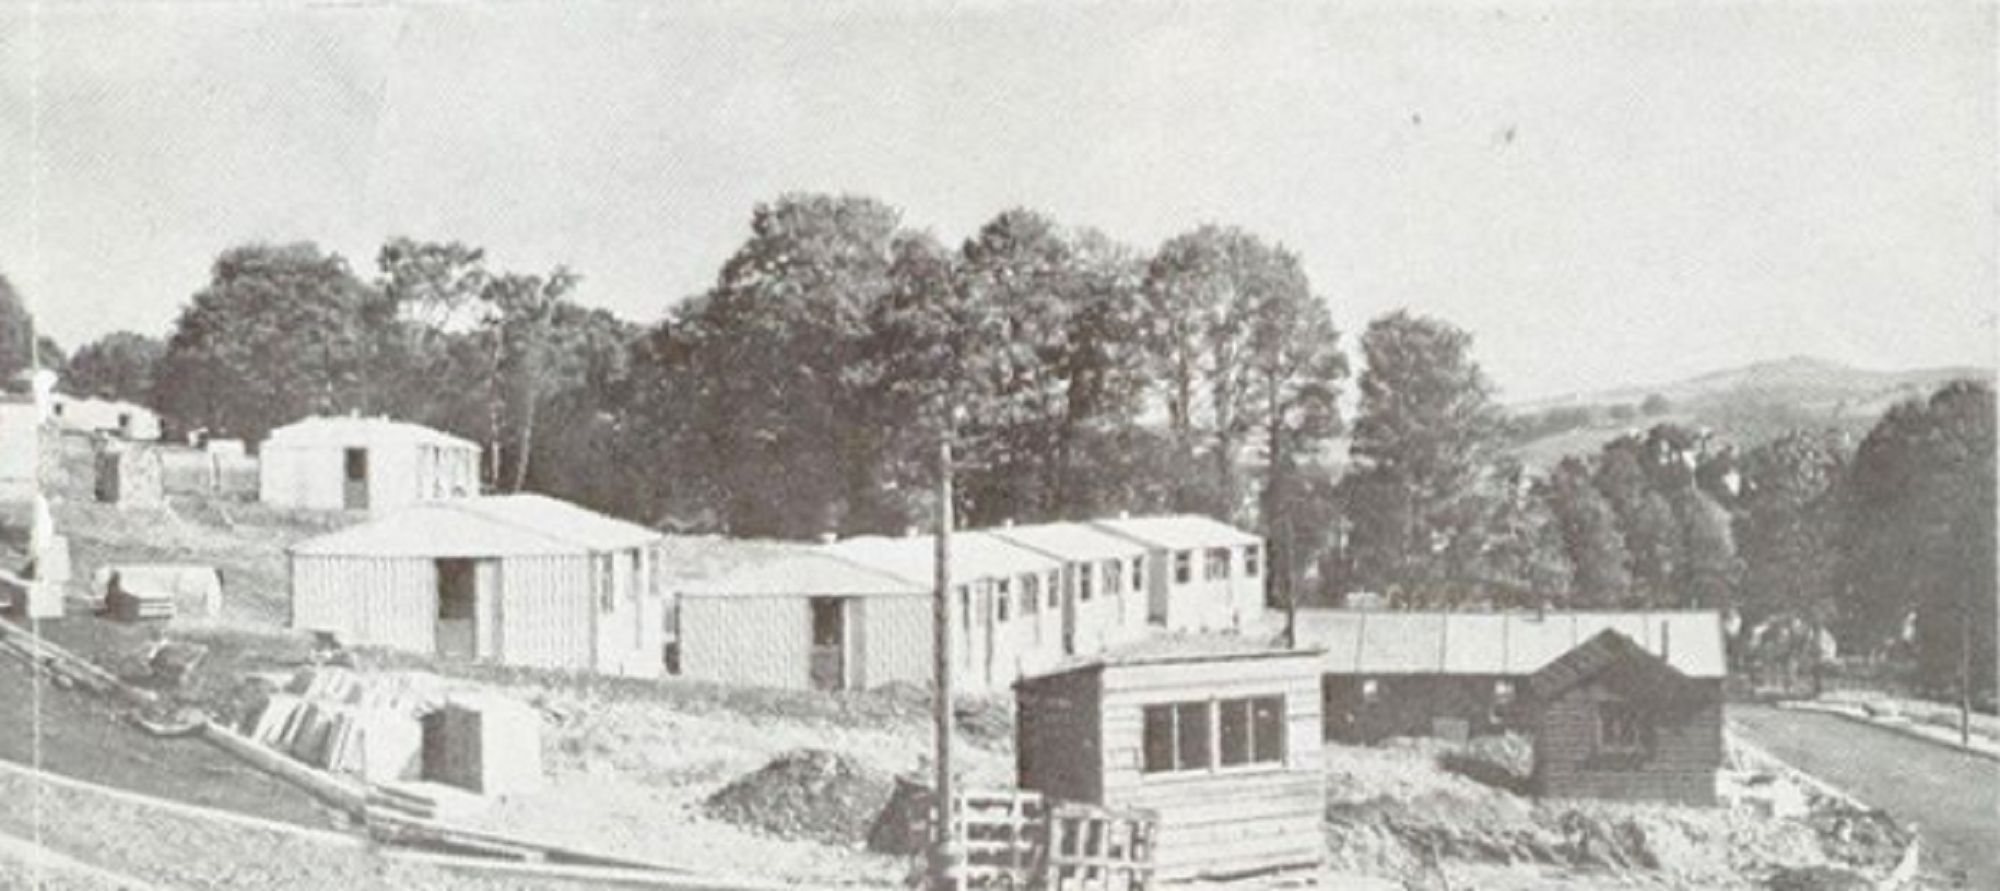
point(1602, 196)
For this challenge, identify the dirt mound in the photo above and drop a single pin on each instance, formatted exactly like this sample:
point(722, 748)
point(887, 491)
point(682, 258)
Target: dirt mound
point(806, 794)
point(1818, 878)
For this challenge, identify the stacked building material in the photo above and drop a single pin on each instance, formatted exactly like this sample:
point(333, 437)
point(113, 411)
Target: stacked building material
point(484, 743)
point(427, 800)
point(184, 588)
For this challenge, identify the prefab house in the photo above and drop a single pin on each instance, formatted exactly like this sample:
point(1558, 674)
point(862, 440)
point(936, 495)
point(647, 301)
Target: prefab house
point(1204, 574)
point(1390, 674)
point(364, 464)
point(126, 420)
point(1104, 582)
point(515, 579)
point(1217, 736)
point(1612, 720)
point(800, 619)
point(1009, 600)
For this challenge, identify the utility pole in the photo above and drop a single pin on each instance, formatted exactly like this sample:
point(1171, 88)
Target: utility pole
point(945, 853)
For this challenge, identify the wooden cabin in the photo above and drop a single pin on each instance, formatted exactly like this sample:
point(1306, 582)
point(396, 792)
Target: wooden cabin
point(1452, 675)
point(364, 464)
point(514, 579)
point(1217, 736)
point(1613, 721)
point(1202, 574)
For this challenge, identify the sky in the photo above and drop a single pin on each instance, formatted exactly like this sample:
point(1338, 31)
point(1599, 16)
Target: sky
point(1601, 196)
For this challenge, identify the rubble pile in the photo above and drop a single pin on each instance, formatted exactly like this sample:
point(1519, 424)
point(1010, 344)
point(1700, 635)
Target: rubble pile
point(806, 794)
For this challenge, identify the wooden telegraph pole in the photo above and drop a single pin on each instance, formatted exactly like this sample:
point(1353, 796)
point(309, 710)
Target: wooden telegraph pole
point(945, 853)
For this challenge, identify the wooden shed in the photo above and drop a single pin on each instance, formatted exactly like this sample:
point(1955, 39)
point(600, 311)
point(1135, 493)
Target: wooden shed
point(1613, 721)
point(797, 618)
point(1391, 674)
point(515, 579)
point(364, 464)
point(1205, 575)
point(1217, 736)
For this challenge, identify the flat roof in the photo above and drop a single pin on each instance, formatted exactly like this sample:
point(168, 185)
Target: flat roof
point(1179, 532)
point(490, 526)
point(974, 555)
point(1365, 642)
point(1172, 649)
point(1070, 542)
point(331, 430)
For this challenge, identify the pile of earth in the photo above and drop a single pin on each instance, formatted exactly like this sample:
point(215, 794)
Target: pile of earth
point(806, 794)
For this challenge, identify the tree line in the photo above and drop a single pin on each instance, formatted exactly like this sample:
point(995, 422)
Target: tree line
point(807, 390)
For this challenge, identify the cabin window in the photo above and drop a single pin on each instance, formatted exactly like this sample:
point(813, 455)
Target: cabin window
point(1177, 737)
point(1503, 692)
point(1622, 727)
point(1252, 730)
point(1252, 561)
point(601, 571)
point(1183, 567)
point(965, 608)
point(1114, 577)
point(1083, 582)
point(1218, 564)
point(1031, 593)
point(1371, 691)
point(1003, 600)
point(1055, 589)
point(1138, 574)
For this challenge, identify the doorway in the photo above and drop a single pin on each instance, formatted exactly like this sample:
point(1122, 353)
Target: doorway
point(457, 609)
point(354, 490)
point(829, 643)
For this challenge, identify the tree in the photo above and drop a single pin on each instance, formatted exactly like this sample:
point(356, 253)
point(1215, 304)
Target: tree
point(1524, 561)
point(1786, 529)
point(1652, 534)
point(119, 365)
point(19, 345)
point(1424, 435)
point(1588, 528)
point(277, 334)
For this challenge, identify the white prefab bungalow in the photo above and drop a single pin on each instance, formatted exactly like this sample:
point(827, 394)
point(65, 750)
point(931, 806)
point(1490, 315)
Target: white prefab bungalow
point(1011, 611)
point(800, 619)
point(1204, 575)
point(1104, 579)
point(126, 420)
point(516, 579)
point(364, 464)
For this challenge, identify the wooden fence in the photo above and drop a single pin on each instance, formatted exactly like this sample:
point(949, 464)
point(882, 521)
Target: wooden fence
point(1019, 840)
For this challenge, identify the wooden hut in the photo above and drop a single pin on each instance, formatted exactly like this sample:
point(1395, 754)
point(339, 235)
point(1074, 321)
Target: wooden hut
point(1204, 575)
point(1389, 674)
point(516, 579)
point(364, 464)
point(1217, 736)
point(1613, 721)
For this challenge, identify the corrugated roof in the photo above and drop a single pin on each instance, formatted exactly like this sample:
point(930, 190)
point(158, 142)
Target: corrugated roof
point(362, 431)
point(1179, 532)
point(1161, 649)
point(1511, 644)
point(974, 555)
point(493, 526)
point(1069, 541)
point(804, 572)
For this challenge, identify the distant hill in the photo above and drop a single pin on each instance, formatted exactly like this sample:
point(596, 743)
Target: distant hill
point(1745, 406)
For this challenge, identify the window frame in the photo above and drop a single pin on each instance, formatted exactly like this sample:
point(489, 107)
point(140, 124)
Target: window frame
point(1209, 745)
point(1183, 567)
point(1630, 721)
point(1253, 563)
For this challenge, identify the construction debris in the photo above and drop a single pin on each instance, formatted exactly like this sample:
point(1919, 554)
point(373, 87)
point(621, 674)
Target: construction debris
point(808, 793)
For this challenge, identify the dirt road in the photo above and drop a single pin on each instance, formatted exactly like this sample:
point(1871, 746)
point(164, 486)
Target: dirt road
point(1954, 798)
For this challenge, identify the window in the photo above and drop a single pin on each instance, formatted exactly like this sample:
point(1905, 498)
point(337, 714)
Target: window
point(1371, 691)
point(1621, 727)
point(1183, 567)
point(1252, 730)
point(1218, 564)
point(357, 465)
point(1031, 593)
point(1138, 574)
point(1503, 692)
point(1003, 600)
point(1114, 577)
point(1252, 562)
point(600, 572)
point(1083, 581)
point(1176, 737)
point(1055, 589)
point(965, 608)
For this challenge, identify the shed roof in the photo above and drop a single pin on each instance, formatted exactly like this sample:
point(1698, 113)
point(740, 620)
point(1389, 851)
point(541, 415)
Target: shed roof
point(1179, 532)
point(1069, 541)
point(1506, 644)
point(803, 572)
point(1166, 649)
point(1614, 659)
point(491, 526)
point(351, 431)
point(974, 555)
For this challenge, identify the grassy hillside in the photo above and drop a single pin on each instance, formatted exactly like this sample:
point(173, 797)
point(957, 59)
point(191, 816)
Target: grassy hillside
point(1745, 406)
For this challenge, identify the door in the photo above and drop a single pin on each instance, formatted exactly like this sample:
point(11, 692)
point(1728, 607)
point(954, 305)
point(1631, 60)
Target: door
point(457, 609)
point(829, 643)
point(354, 490)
